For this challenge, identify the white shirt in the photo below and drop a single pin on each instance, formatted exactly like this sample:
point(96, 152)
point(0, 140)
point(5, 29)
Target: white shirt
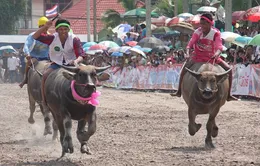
point(12, 63)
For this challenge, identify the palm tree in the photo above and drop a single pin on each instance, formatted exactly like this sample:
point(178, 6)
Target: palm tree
point(166, 7)
point(128, 4)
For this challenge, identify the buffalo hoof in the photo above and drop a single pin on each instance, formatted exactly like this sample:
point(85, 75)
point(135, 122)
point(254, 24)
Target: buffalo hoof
point(31, 120)
point(209, 144)
point(194, 128)
point(85, 149)
point(67, 146)
point(214, 132)
point(47, 130)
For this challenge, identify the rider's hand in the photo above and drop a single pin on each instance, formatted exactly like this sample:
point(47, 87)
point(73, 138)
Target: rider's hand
point(28, 57)
point(48, 24)
point(187, 55)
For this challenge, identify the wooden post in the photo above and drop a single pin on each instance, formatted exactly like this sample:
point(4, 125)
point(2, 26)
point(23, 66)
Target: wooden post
point(148, 18)
point(95, 20)
point(88, 20)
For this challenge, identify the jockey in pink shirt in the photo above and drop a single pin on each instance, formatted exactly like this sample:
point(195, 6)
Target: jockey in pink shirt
point(207, 46)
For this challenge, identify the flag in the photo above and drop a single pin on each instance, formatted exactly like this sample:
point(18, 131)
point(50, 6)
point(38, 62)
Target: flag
point(52, 12)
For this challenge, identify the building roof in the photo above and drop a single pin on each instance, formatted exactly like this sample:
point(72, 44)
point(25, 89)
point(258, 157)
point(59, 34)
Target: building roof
point(77, 14)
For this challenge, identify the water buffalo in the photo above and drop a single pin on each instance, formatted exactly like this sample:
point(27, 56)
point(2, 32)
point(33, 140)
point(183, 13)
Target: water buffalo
point(34, 93)
point(205, 89)
point(70, 95)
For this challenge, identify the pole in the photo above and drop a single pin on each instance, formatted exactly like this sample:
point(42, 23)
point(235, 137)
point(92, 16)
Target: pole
point(228, 17)
point(88, 20)
point(95, 20)
point(175, 7)
point(185, 6)
point(148, 18)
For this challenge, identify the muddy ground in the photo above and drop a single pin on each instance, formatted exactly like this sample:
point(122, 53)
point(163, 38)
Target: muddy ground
point(134, 128)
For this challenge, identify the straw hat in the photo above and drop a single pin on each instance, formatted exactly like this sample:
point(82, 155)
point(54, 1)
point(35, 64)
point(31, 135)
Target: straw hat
point(215, 2)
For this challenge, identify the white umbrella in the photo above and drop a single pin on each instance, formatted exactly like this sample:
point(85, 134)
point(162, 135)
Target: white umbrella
point(229, 36)
point(7, 48)
point(124, 49)
point(137, 51)
point(207, 9)
point(114, 49)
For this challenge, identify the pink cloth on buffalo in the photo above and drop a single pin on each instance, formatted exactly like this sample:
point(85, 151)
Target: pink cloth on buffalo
point(205, 46)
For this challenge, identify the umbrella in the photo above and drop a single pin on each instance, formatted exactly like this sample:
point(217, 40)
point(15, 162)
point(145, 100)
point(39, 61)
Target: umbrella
point(204, 9)
point(185, 28)
point(229, 36)
point(89, 44)
point(159, 21)
point(237, 15)
point(103, 34)
point(139, 12)
point(117, 54)
point(150, 42)
point(8, 49)
point(109, 44)
point(161, 30)
point(255, 41)
point(175, 20)
point(185, 15)
point(85, 48)
point(249, 12)
point(243, 40)
point(98, 47)
point(172, 33)
point(114, 49)
point(255, 17)
point(146, 50)
point(137, 51)
point(161, 49)
point(195, 20)
point(124, 49)
point(132, 43)
point(93, 52)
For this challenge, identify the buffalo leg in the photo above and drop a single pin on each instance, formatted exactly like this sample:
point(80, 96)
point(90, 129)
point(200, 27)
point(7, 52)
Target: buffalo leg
point(47, 120)
point(55, 130)
point(67, 146)
point(193, 126)
point(214, 129)
point(32, 109)
point(210, 125)
point(83, 136)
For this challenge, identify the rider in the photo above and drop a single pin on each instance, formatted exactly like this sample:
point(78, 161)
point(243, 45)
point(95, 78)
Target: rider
point(34, 50)
point(64, 47)
point(207, 46)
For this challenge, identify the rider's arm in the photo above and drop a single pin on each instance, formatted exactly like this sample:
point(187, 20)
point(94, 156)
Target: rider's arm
point(218, 44)
point(28, 45)
point(79, 52)
point(44, 38)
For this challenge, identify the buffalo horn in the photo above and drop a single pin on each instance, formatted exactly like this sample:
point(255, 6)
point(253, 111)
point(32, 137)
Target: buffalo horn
point(71, 68)
point(192, 72)
point(101, 69)
point(224, 73)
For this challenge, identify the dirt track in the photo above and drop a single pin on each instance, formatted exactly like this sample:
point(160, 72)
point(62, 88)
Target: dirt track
point(134, 128)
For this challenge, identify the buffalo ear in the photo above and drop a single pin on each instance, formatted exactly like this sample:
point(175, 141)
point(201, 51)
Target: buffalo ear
point(221, 77)
point(103, 77)
point(68, 75)
point(195, 74)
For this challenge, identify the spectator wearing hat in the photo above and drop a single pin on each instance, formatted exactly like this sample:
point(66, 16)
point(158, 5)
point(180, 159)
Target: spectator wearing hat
point(34, 50)
point(220, 14)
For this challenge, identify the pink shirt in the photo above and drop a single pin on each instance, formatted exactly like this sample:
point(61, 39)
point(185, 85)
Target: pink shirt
point(205, 46)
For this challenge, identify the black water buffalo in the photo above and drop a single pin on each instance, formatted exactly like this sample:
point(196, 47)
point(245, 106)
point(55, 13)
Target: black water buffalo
point(205, 90)
point(34, 93)
point(65, 106)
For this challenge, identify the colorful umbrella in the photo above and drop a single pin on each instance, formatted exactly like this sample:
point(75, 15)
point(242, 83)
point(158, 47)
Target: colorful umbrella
point(150, 42)
point(183, 27)
point(132, 43)
point(98, 47)
point(93, 52)
point(204, 9)
point(137, 51)
point(109, 44)
point(114, 49)
point(255, 41)
point(161, 30)
point(7, 48)
point(146, 50)
point(161, 49)
point(250, 12)
point(89, 44)
point(85, 48)
point(229, 36)
point(175, 20)
point(124, 49)
point(117, 54)
point(243, 40)
point(139, 12)
point(254, 17)
point(195, 20)
point(185, 15)
point(237, 15)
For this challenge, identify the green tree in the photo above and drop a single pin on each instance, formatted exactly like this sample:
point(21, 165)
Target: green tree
point(166, 8)
point(10, 12)
point(111, 18)
point(128, 4)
